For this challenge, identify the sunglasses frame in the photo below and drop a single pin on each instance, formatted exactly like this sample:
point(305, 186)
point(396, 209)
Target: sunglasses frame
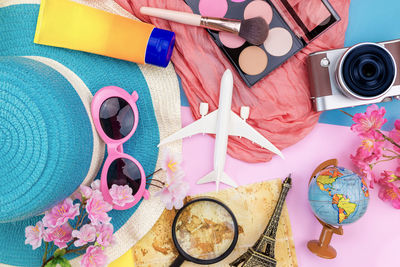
point(115, 147)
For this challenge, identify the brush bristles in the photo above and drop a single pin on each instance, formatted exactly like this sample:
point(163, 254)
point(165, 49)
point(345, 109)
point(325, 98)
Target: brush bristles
point(254, 30)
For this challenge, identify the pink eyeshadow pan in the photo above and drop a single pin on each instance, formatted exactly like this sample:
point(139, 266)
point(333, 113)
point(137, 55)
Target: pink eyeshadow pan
point(253, 60)
point(258, 9)
point(231, 40)
point(279, 42)
point(213, 8)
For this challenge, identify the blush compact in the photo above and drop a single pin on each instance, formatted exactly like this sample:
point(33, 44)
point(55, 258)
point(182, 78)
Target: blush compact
point(292, 25)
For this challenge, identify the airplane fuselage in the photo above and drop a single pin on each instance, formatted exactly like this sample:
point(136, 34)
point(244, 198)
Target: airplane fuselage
point(222, 130)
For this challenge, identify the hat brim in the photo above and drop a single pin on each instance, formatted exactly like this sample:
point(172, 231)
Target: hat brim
point(154, 85)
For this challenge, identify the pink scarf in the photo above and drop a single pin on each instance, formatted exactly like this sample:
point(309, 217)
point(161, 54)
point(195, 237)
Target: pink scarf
point(280, 107)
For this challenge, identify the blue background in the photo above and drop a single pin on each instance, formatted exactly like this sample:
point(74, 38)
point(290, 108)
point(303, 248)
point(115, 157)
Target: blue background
point(369, 21)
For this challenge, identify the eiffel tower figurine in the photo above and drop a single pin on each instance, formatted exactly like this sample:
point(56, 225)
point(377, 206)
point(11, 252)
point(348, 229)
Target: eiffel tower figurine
point(262, 252)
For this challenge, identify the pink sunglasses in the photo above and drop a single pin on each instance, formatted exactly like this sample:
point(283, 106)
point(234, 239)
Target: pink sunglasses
point(116, 117)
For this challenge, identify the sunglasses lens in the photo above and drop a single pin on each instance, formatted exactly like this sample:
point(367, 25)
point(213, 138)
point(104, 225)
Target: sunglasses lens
point(116, 118)
point(124, 172)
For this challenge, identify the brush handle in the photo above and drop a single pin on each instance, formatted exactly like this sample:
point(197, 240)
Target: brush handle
point(217, 24)
point(176, 16)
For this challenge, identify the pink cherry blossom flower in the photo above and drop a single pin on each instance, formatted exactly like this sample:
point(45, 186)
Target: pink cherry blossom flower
point(373, 147)
point(97, 208)
point(86, 191)
point(105, 234)
point(60, 235)
point(370, 150)
point(85, 235)
point(94, 257)
point(77, 195)
point(367, 123)
point(395, 134)
point(34, 235)
point(389, 192)
point(170, 163)
point(95, 185)
point(362, 158)
point(368, 174)
point(121, 195)
point(364, 167)
point(174, 191)
point(61, 213)
point(388, 176)
point(358, 158)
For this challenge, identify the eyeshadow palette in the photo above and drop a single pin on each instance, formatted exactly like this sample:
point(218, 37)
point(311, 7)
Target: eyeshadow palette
point(285, 38)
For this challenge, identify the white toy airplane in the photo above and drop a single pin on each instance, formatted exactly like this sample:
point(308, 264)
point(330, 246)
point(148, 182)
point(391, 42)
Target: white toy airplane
point(222, 122)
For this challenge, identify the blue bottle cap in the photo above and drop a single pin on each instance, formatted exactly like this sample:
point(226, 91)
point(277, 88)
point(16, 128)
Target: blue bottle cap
point(159, 48)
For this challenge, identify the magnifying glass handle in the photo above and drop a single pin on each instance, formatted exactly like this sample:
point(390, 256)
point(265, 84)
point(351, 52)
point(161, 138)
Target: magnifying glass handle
point(178, 261)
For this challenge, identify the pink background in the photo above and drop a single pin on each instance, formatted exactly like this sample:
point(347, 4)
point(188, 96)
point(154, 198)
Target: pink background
point(373, 241)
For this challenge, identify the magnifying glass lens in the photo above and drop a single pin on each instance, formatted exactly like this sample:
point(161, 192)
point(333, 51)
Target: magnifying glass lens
point(205, 230)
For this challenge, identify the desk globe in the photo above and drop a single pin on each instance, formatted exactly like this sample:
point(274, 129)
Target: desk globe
point(337, 196)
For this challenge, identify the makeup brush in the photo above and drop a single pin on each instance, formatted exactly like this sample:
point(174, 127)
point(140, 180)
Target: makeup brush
point(254, 30)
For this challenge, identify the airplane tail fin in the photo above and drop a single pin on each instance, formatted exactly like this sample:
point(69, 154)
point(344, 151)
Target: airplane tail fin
point(213, 177)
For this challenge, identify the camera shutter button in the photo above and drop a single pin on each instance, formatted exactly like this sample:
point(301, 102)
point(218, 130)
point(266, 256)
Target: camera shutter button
point(325, 62)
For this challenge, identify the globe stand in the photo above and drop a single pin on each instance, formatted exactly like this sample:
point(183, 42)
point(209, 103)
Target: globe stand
point(321, 247)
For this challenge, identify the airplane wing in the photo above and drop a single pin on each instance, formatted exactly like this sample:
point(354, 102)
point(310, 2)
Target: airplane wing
point(238, 127)
point(206, 125)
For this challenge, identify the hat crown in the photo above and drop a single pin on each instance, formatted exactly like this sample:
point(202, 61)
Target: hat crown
point(46, 140)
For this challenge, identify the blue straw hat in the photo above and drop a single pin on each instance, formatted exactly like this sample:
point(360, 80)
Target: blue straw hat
point(47, 142)
point(38, 106)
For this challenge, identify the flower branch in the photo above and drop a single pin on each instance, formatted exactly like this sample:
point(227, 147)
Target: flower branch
point(371, 152)
point(45, 253)
point(91, 234)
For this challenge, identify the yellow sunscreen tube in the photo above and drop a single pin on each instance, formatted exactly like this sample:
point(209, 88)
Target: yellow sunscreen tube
point(67, 24)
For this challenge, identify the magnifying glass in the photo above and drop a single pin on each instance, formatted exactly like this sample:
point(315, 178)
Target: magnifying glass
point(204, 231)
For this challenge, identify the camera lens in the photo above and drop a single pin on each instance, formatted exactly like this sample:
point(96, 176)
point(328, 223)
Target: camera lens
point(367, 70)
